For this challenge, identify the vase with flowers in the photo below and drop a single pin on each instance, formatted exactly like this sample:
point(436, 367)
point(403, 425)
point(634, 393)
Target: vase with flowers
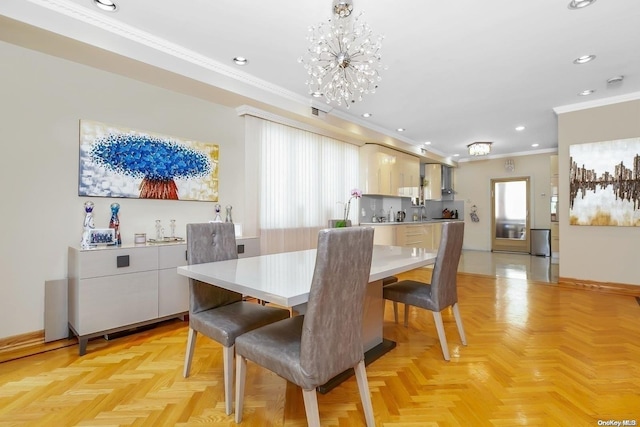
point(355, 194)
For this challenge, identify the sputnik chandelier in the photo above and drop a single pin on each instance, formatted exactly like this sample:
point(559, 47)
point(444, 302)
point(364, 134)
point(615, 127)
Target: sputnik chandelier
point(343, 57)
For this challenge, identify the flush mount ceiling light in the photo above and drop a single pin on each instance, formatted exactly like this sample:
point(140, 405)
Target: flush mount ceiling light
point(107, 5)
point(240, 60)
point(519, 128)
point(366, 115)
point(479, 148)
point(586, 92)
point(401, 129)
point(579, 4)
point(343, 57)
point(584, 59)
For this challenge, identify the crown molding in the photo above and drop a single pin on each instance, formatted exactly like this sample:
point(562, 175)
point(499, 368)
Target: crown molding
point(633, 96)
point(106, 23)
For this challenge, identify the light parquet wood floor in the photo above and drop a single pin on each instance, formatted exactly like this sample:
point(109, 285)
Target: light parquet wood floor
point(538, 355)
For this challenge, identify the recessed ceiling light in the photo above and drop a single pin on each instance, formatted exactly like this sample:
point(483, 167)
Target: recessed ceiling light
point(615, 80)
point(240, 60)
point(316, 94)
point(400, 129)
point(107, 5)
point(427, 143)
point(586, 92)
point(579, 4)
point(366, 115)
point(520, 128)
point(535, 145)
point(456, 155)
point(584, 59)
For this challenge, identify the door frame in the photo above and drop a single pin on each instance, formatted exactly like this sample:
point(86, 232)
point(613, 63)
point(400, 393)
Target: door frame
point(507, 244)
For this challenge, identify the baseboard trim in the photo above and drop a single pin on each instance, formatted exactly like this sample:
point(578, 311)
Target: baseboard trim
point(588, 285)
point(24, 345)
point(22, 340)
point(604, 287)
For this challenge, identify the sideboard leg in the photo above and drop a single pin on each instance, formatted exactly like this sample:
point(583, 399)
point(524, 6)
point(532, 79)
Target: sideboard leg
point(83, 345)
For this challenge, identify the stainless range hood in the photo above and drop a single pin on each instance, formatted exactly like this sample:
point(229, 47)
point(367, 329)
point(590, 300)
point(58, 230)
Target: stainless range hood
point(446, 180)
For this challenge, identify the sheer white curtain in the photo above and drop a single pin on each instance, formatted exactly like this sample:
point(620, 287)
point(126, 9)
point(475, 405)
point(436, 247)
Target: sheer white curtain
point(305, 179)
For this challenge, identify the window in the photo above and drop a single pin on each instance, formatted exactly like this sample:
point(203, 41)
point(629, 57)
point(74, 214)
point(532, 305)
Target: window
point(305, 178)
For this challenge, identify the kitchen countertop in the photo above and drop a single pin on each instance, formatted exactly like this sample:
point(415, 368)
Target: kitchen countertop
point(426, 221)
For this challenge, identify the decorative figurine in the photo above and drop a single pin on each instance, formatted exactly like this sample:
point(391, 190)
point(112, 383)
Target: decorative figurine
point(218, 218)
point(228, 218)
point(88, 225)
point(115, 223)
point(172, 227)
point(159, 231)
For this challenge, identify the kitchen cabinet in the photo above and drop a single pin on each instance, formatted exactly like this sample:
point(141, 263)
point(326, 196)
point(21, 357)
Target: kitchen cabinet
point(384, 234)
point(411, 235)
point(433, 182)
point(408, 176)
point(421, 235)
point(384, 171)
point(436, 229)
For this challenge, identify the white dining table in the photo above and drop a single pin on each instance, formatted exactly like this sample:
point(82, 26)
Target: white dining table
point(285, 279)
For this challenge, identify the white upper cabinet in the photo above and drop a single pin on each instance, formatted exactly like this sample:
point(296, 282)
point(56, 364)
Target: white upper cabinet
point(388, 172)
point(433, 182)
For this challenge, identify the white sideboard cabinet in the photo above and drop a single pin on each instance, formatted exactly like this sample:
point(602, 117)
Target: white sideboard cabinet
point(113, 289)
point(117, 288)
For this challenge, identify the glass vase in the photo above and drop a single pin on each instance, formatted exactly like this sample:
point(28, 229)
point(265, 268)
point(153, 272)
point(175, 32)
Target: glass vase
point(114, 223)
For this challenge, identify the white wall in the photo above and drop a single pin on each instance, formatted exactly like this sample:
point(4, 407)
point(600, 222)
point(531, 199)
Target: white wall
point(473, 187)
point(42, 99)
point(592, 253)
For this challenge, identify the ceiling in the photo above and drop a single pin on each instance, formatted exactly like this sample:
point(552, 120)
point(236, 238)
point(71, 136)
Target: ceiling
point(457, 72)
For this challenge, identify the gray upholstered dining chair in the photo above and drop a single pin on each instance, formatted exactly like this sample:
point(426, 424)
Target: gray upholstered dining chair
point(387, 280)
point(310, 349)
point(442, 292)
point(217, 313)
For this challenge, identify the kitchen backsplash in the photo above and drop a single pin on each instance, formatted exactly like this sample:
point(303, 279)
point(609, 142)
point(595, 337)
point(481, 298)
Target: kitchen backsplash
point(382, 206)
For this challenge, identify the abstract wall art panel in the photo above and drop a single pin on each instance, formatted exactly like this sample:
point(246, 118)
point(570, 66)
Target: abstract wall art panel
point(604, 183)
point(122, 162)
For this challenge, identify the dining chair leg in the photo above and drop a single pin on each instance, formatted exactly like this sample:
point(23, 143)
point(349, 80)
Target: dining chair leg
point(456, 315)
point(188, 357)
point(227, 362)
point(395, 311)
point(406, 315)
point(437, 317)
point(241, 373)
point(311, 407)
point(365, 396)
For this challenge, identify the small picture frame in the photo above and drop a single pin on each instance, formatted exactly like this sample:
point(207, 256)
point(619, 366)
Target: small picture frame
point(102, 236)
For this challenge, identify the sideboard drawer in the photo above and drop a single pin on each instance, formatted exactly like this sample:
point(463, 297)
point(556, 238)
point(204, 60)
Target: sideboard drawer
point(109, 262)
point(171, 256)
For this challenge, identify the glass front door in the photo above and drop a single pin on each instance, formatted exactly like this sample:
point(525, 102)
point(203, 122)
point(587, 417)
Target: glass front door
point(510, 216)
